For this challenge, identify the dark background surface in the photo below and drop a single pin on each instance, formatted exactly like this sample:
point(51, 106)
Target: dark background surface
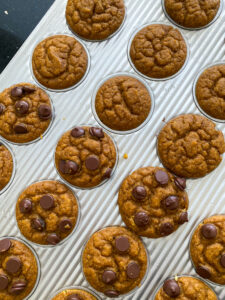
point(15, 27)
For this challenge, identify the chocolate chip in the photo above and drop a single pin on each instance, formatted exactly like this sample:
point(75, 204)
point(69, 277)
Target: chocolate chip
point(5, 244)
point(170, 202)
point(141, 219)
point(183, 218)
point(13, 265)
point(53, 239)
point(122, 243)
point(203, 272)
point(20, 128)
point(180, 183)
point(209, 231)
point(92, 163)
point(65, 225)
point(22, 107)
point(25, 206)
point(28, 90)
point(161, 177)
point(2, 108)
point(17, 287)
point(38, 224)
point(96, 132)
point(47, 202)
point(171, 288)
point(107, 173)
point(44, 112)
point(17, 92)
point(139, 192)
point(68, 167)
point(3, 282)
point(108, 276)
point(111, 294)
point(166, 228)
point(73, 297)
point(222, 260)
point(133, 270)
point(77, 132)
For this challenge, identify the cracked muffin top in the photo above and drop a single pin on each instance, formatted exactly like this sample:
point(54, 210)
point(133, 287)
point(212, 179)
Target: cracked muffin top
point(185, 288)
point(122, 103)
point(207, 249)
point(85, 156)
point(190, 146)
point(95, 19)
point(192, 13)
point(152, 202)
point(210, 91)
point(59, 62)
point(114, 261)
point(158, 51)
point(25, 113)
point(74, 294)
point(6, 166)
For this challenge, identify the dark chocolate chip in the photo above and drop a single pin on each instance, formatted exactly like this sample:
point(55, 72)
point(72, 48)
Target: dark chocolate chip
point(183, 218)
point(96, 132)
point(170, 202)
point(25, 206)
point(5, 244)
point(47, 202)
point(92, 163)
point(122, 243)
point(73, 297)
point(222, 260)
point(17, 91)
point(28, 90)
point(77, 132)
point(108, 276)
point(141, 219)
point(20, 128)
point(171, 288)
point(111, 294)
point(22, 107)
point(13, 265)
point(209, 231)
point(203, 272)
point(2, 108)
point(65, 225)
point(44, 112)
point(161, 177)
point(133, 270)
point(68, 167)
point(166, 228)
point(139, 192)
point(17, 287)
point(107, 173)
point(53, 239)
point(38, 224)
point(180, 183)
point(3, 282)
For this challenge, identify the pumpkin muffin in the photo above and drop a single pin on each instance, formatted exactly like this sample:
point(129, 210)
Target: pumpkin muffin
point(6, 166)
point(74, 294)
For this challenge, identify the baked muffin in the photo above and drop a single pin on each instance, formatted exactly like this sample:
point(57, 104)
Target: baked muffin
point(190, 146)
point(47, 212)
point(114, 261)
point(158, 51)
point(74, 294)
point(6, 166)
point(95, 20)
point(207, 249)
point(123, 103)
point(59, 62)
point(25, 113)
point(18, 270)
point(85, 156)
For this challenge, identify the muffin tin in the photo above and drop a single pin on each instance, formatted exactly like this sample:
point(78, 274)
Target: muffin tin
point(61, 265)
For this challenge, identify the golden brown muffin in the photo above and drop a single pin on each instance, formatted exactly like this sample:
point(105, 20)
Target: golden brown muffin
point(190, 146)
point(95, 19)
point(74, 294)
point(114, 261)
point(59, 62)
point(6, 166)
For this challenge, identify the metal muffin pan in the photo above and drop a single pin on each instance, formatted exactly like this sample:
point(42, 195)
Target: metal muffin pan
point(61, 265)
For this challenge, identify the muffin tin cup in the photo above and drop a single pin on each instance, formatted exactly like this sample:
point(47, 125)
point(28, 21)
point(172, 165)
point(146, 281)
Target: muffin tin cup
point(37, 260)
point(190, 28)
point(76, 84)
point(142, 125)
point(75, 227)
point(143, 279)
point(152, 78)
point(194, 90)
point(74, 287)
point(189, 250)
point(104, 181)
point(179, 276)
point(14, 166)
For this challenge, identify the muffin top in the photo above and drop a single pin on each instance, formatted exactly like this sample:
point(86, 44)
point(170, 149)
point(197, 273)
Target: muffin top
point(74, 294)
point(6, 166)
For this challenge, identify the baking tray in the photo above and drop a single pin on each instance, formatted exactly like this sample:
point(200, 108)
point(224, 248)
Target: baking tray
point(61, 266)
